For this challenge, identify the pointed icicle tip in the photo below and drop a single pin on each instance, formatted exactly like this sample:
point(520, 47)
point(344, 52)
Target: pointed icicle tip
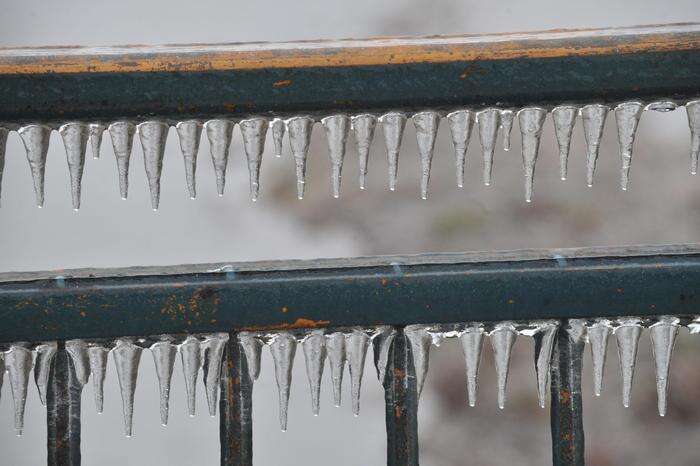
point(122, 135)
point(300, 129)
point(663, 339)
point(627, 335)
point(191, 357)
point(219, 133)
point(627, 116)
point(593, 117)
point(488, 121)
point(127, 357)
point(189, 133)
point(45, 353)
point(252, 348)
point(363, 126)
point(335, 349)
point(278, 129)
point(426, 124)
point(336, 128)
point(461, 123)
point(213, 348)
point(97, 357)
point(95, 136)
point(531, 120)
point(36, 138)
point(693, 110)
point(472, 342)
point(153, 135)
point(283, 346)
point(393, 124)
point(381, 342)
point(420, 341)
point(564, 118)
point(314, 345)
point(598, 333)
point(507, 117)
point(18, 363)
point(75, 138)
point(78, 352)
point(356, 344)
point(503, 337)
point(164, 353)
point(254, 131)
point(544, 336)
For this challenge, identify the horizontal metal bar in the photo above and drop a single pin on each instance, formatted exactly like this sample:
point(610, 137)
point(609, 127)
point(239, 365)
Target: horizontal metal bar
point(559, 286)
point(352, 75)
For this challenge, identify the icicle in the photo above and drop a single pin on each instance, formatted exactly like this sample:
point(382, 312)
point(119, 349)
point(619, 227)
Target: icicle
point(190, 133)
point(213, 347)
point(153, 135)
point(36, 143)
point(219, 133)
point(693, 110)
point(18, 362)
point(335, 347)
point(127, 357)
point(531, 121)
point(356, 344)
point(95, 136)
point(564, 118)
point(300, 129)
point(663, 339)
point(461, 123)
point(314, 345)
point(283, 346)
point(75, 137)
point(97, 355)
point(393, 124)
point(593, 117)
point(77, 350)
point(472, 340)
point(694, 325)
point(627, 334)
point(122, 135)
point(254, 131)
point(363, 127)
point(598, 333)
point(337, 128)
point(662, 106)
point(507, 117)
point(45, 353)
point(191, 356)
point(252, 347)
point(278, 130)
point(544, 344)
point(420, 341)
point(502, 338)
point(164, 354)
point(3, 144)
point(488, 120)
point(381, 342)
point(627, 116)
point(426, 124)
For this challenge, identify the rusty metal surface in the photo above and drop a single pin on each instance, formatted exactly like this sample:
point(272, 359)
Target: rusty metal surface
point(236, 408)
point(63, 412)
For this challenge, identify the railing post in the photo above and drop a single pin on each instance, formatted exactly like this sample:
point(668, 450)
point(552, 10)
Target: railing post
point(63, 412)
point(401, 400)
point(236, 407)
point(567, 410)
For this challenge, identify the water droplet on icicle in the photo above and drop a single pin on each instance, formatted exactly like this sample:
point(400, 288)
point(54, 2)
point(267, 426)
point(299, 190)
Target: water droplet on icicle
point(598, 333)
point(663, 339)
point(36, 143)
point(693, 110)
point(164, 354)
point(122, 135)
point(97, 356)
point(356, 344)
point(381, 342)
point(564, 118)
point(189, 133)
point(593, 117)
point(314, 345)
point(95, 136)
point(426, 124)
point(507, 117)
point(278, 130)
point(300, 129)
point(420, 341)
point(75, 138)
point(472, 341)
point(18, 363)
point(45, 353)
point(461, 123)
point(252, 348)
point(627, 116)
point(283, 346)
point(213, 347)
point(219, 133)
point(191, 357)
point(531, 121)
point(488, 120)
point(335, 348)
point(254, 131)
point(127, 357)
point(363, 127)
point(627, 334)
point(502, 339)
point(337, 128)
point(78, 352)
point(393, 124)
point(153, 135)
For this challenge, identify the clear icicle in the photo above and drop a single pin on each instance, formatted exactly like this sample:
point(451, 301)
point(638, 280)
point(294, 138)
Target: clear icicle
point(189, 133)
point(300, 129)
point(363, 127)
point(337, 128)
point(3, 144)
point(393, 124)
point(472, 340)
point(426, 124)
point(356, 344)
point(164, 354)
point(507, 117)
point(213, 347)
point(314, 345)
point(544, 344)
point(662, 106)
point(278, 130)
point(488, 120)
point(627, 116)
point(335, 348)
point(461, 123)
point(531, 121)
point(95, 136)
point(663, 339)
point(420, 341)
point(598, 333)
point(122, 135)
point(153, 135)
point(627, 334)
point(75, 138)
point(18, 363)
point(36, 143)
point(593, 117)
point(45, 353)
point(97, 355)
point(219, 133)
point(381, 342)
point(502, 338)
point(191, 357)
point(252, 347)
point(564, 118)
point(126, 358)
point(283, 346)
point(78, 352)
point(693, 110)
point(253, 132)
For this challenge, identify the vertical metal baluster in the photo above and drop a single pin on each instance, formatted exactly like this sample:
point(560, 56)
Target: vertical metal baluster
point(401, 399)
point(63, 412)
point(236, 407)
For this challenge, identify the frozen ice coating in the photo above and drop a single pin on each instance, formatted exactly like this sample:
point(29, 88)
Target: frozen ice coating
point(191, 356)
point(336, 128)
point(75, 138)
point(78, 352)
point(662, 106)
point(420, 341)
point(36, 143)
point(356, 344)
point(278, 130)
point(461, 123)
point(363, 128)
point(253, 131)
point(45, 353)
point(693, 110)
point(335, 348)
point(507, 117)
point(593, 117)
point(564, 118)
point(97, 356)
point(213, 348)
point(153, 135)
point(18, 363)
point(502, 336)
point(126, 358)
point(531, 120)
point(381, 342)
point(300, 129)
point(393, 124)
point(314, 345)
point(627, 116)
point(3, 144)
point(663, 339)
point(122, 135)
point(2, 369)
point(627, 334)
point(598, 333)
point(164, 354)
point(219, 133)
point(426, 124)
point(488, 120)
point(252, 348)
point(544, 344)
point(189, 133)
point(283, 346)
point(472, 341)
point(95, 136)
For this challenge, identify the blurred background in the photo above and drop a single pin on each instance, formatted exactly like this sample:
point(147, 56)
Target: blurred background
point(661, 206)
